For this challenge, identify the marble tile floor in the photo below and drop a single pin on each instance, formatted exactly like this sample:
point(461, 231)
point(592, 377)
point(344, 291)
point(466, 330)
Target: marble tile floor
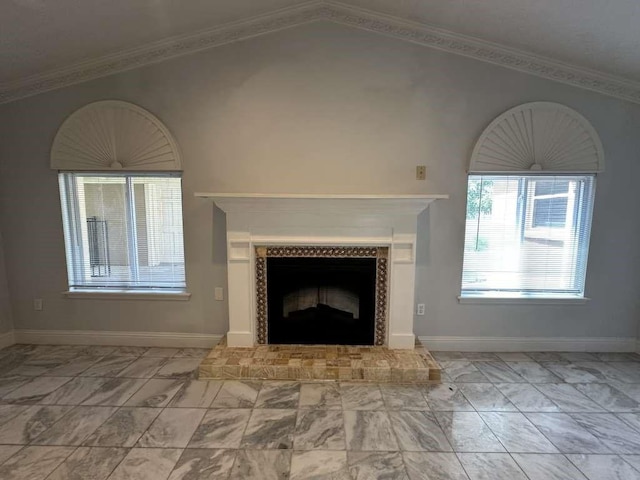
point(129, 413)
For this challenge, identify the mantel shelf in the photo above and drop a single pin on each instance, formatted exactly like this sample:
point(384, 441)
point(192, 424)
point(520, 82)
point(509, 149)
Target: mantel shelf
point(317, 196)
point(335, 203)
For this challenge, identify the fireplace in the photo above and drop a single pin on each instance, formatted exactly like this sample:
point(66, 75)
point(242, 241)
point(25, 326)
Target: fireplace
point(329, 295)
point(321, 300)
point(300, 239)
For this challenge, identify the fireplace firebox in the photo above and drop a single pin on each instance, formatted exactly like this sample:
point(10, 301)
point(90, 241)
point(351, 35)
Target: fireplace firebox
point(327, 301)
point(324, 295)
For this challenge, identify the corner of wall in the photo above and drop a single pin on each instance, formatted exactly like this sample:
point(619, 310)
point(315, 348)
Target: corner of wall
point(6, 319)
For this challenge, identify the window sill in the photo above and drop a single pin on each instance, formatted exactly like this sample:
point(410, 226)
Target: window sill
point(523, 300)
point(175, 295)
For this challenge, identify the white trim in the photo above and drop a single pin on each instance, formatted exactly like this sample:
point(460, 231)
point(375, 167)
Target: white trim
point(104, 337)
point(529, 344)
point(407, 30)
point(521, 300)
point(199, 340)
point(240, 339)
point(405, 341)
point(319, 196)
point(7, 339)
point(126, 295)
point(340, 204)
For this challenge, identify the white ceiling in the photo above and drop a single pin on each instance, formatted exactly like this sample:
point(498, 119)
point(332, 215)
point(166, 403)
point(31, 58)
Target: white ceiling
point(37, 36)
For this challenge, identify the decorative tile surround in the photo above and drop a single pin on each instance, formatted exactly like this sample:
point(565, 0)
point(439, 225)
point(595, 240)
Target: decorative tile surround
point(320, 362)
point(381, 254)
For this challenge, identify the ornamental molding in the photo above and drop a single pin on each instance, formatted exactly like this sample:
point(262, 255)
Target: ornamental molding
point(320, 251)
point(363, 19)
point(114, 135)
point(538, 136)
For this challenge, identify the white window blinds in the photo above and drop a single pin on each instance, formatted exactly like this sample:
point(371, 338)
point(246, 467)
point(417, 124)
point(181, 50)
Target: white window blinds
point(527, 235)
point(123, 231)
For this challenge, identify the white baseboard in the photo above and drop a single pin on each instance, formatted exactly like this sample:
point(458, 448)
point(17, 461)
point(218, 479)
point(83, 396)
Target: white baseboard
point(102, 337)
point(201, 340)
point(7, 339)
point(530, 344)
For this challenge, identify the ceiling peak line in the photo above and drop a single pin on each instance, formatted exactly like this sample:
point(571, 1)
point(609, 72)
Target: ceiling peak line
point(336, 12)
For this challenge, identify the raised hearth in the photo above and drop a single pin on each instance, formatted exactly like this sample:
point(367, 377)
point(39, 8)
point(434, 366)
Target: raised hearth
point(320, 362)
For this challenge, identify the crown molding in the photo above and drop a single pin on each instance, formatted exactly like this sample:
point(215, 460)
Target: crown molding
point(368, 20)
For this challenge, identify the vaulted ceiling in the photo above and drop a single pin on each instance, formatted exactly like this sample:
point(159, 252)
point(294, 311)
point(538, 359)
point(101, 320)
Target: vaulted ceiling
point(40, 36)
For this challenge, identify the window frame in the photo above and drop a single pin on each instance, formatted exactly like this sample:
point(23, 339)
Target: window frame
point(75, 254)
point(585, 191)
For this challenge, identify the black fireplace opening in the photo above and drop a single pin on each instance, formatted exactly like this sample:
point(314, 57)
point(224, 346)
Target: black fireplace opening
point(327, 301)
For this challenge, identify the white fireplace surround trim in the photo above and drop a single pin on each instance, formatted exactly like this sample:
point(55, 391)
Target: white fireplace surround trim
point(310, 219)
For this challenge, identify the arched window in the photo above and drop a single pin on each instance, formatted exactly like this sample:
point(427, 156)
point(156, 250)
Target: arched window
point(121, 195)
point(530, 199)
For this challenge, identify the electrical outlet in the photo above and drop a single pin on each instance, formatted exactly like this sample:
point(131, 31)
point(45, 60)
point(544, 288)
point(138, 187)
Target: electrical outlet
point(37, 304)
point(421, 309)
point(218, 293)
point(421, 172)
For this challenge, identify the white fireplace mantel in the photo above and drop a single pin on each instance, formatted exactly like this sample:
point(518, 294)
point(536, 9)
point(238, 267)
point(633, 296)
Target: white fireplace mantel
point(309, 219)
point(294, 202)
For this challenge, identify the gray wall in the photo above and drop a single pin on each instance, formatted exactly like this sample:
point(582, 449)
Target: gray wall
point(323, 109)
point(6, 323)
